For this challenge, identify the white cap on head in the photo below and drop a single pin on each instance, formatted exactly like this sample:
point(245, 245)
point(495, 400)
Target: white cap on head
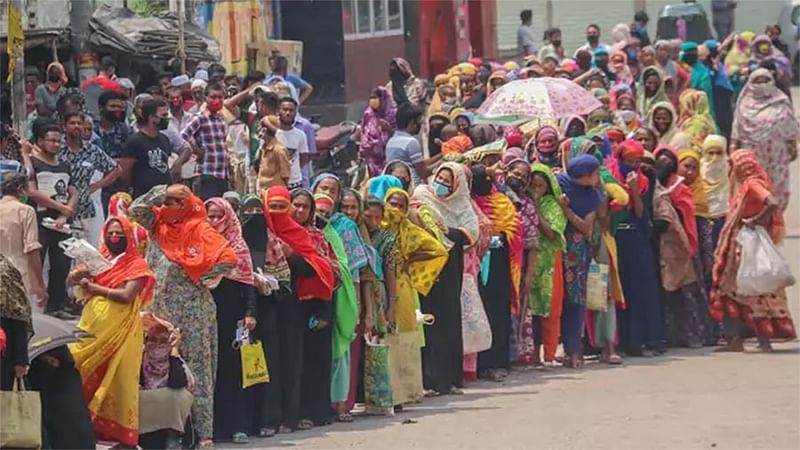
point(180, 80)
point(201, 74)
point(198, 83)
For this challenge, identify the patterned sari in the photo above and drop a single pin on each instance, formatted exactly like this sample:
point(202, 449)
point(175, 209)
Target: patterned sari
point(109, 362)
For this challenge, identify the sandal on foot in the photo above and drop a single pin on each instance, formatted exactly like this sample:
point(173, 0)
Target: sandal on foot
point(206, 444)
point(267, 432)
point(240, 438)
point(305, 424)
point(283, 429)
point(614, 360)
point(344, 418)
point(431, 393)
point(456, 391)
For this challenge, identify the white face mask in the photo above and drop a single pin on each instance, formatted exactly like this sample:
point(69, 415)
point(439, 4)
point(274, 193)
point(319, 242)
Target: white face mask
point(625, 116)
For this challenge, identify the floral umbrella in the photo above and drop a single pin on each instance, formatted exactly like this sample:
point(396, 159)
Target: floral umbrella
point(536, 98)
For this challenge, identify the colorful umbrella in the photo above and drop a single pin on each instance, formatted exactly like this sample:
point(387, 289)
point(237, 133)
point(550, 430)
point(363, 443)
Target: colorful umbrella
point(536, 98)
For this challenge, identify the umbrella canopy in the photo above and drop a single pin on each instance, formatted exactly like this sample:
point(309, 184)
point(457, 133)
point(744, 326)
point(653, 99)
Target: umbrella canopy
point(536, 98)
point(49, 333)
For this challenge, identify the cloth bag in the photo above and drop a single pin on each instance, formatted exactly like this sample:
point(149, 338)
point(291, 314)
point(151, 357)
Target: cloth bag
point(405, 366)
point(475, 329)
point(21, 423)
point(597, 287)
point(763, 270)
point(377, 378)
point(254, 364)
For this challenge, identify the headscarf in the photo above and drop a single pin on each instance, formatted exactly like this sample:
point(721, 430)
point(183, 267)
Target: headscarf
point(715, 176)
point(546, 131)
point(281, 225)
point(695, 118)
point(682, 199)
point(435, 132)
point(513, 154)
point(186, 238)
point(573, 147)
point(645, 104)
point(503, 215)
point(326, 176)
point(398, 86)
point(266, 251)
point(699, 186)
point(411, 239)
point(454, 210)
point(781, 62)
point(458, 144)
point(567, 121)
point(764, 114)
point(386, 112)
point(666, 137)
point(582, 199)
point(550, 210)
point(14, 303)
point(620, 69)
point(118, 206)
point(499, 75)
point(155, 357)
point(750, 177)
point(127, 266)
point(60, 67)
point(739, 53)
point(230, 228)
point(629, 149)
point(380, 185)
point(358, 252)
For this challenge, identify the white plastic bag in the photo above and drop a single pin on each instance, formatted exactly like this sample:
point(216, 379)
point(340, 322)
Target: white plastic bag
point(475, 329)
point(762, 270)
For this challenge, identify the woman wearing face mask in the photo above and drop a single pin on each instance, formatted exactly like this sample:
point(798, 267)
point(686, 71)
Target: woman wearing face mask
point(420, 260)
point(109, 361)
point(579, 202)
point(377, 126)
point(235, 298)
point(573, 126)
point(686, 318)
point(187, 255)
point(663, 119)
point(752, 203)
point(695, 119)
point(436, 122)
point(625, 115)
point(765, 122)
point(316, 312)
point(447, 198)
point(716, 185)
point(500, 292)
point(350, 257)
point(311, 282)
point(402, 171)
point(640, 324)
point(544, 148)
point(763, 50)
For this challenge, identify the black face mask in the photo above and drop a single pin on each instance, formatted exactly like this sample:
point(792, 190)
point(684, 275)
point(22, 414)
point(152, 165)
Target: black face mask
point(556, 43)
point(116, 247)
point(550, 159)
point(53, 77)
point(593, 40)
point(406, 184)
point(320, 221)
point(664, 170)
point(163, 123)
point(515, 184)
point(690, 59)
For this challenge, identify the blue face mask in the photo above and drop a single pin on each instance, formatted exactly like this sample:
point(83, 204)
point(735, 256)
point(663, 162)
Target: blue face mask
point(440, 190)
point(625, 169)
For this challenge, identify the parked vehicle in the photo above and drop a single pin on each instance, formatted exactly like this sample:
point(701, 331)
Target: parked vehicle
point(687, 21)
point(337, 151)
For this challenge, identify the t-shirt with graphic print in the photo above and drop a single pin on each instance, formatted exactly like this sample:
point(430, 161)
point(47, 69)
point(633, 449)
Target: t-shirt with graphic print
point(82, 166)
point(151, 166)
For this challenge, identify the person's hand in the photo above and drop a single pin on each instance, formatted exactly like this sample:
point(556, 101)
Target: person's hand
point(66, 211)
point(286, 249)
point(26, 148)
point(175, 341)
point(633, 181)
point(60, 222)
point(175, 173)
point(88, 291)
point(390, 318)
point(563, 201)
point(368, 330)
point(749, 222)
point(249, 322)
point(20, 370)
point(41, 294)
point(94, 187)
point(320, 325)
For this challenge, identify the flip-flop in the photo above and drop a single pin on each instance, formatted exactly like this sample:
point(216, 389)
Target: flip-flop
point(305, 424)
point(240, 438)
point(614, 360)
point(344, 418)
point(267, 432)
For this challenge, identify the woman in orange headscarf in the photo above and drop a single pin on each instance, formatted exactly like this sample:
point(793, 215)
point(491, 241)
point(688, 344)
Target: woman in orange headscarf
point(752, 203)
point(109, 361)
point(188, 256)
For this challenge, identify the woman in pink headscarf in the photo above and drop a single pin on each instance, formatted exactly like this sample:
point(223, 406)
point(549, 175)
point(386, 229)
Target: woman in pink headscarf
point(377, 126)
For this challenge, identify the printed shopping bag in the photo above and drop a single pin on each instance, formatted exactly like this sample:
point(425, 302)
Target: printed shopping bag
point(597, 287)
point(405, 366)
point(377, 378)
point(254, 364)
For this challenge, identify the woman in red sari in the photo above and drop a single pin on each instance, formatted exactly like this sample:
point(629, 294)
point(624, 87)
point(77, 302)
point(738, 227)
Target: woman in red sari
point(752, 202)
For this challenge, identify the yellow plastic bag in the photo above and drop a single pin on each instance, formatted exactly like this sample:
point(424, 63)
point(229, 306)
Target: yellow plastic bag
point(21, 424)
point(254, 364)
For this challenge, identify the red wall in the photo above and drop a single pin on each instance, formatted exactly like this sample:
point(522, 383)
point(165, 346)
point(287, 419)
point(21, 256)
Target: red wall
point(367, 64)
point(483, 28)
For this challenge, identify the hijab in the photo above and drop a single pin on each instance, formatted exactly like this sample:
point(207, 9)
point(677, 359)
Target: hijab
point(186, 237)
point(666, 137)
point(764, 113)
point(714, 170)
point(681, 197)
point(628, 149)
point(230, 228)
point(583, 200)
point(403, 74)
point(695, 117)
point(644, 103)
point(295, 235)
point(14, 302)
point(455, 209)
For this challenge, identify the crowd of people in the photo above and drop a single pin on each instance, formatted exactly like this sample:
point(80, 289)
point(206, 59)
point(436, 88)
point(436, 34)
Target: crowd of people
point(471, 249)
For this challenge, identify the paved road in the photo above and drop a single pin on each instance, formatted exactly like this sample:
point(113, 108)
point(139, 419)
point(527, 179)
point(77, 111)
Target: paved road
point(687, 399)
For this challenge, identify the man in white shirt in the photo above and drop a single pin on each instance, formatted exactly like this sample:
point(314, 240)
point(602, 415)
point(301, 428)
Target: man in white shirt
point(526, 45)
point(592, 40)
point(294, 140)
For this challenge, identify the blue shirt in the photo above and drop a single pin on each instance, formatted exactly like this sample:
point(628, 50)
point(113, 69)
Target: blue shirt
point(405, 147)
point(296, 84)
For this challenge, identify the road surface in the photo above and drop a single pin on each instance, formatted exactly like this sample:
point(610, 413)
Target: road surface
point(686, 399)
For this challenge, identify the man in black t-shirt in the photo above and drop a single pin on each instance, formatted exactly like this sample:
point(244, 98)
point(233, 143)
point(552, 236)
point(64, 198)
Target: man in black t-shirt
point(145, 156)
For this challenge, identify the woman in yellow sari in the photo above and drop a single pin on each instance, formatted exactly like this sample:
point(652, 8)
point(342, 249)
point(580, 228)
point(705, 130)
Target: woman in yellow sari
point(109, 361)
point(695, 116)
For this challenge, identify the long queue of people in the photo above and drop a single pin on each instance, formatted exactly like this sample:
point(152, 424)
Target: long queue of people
point(471, 248)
